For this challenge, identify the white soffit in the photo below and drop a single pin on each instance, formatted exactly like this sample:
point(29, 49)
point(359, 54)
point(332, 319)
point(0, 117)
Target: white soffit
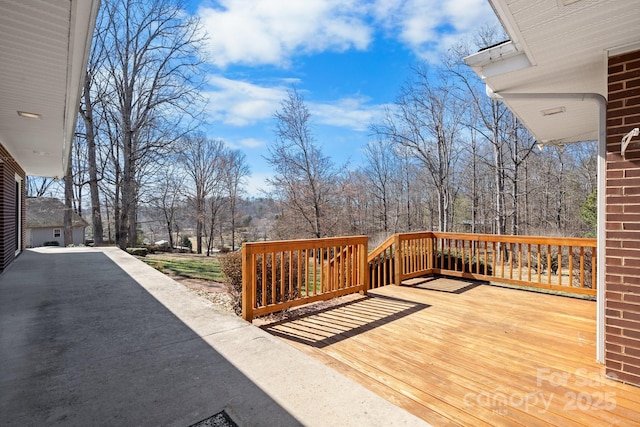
point(44, 51)
point(566, 43)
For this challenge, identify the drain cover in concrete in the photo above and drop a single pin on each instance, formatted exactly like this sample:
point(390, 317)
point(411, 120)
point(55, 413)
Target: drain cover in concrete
point(221, 419)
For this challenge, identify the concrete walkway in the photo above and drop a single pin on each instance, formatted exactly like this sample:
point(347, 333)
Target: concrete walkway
point(96, 337)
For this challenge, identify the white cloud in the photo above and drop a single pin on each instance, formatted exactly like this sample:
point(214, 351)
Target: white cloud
point(251, 143)
point(351, 112)
point(241, 103)
point(257, 184)
point(254, 32)
point(430, 27)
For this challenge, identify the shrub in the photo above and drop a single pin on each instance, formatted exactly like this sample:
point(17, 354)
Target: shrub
point(137, 251)
point(231, 265)
point(186, 243)
point(51, 243)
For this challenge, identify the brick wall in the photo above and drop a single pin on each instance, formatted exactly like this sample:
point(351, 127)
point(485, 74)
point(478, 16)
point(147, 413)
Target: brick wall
point(8, 170)
point(622, 271)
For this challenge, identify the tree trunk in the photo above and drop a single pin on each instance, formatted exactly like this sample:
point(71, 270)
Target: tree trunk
point(87, 115)
point(68, 202)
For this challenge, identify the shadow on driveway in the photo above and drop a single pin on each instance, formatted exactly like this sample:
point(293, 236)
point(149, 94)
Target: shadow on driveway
point(82, 343)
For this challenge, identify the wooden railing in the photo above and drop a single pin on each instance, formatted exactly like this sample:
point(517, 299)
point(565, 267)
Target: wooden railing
point(279, 275)
point(560, 264)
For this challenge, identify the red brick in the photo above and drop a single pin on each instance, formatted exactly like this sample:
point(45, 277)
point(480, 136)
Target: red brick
point(624, 94)
point(623, 253)
point(631, 244)
point(615, 122)
point(626, 57)
point(612, 330)
point(613, 226)
point(632, 368)
point(614, 296)
point(612, 313)
point(617, 104)
point(623, 341)
point(632, 101)
point(613, 69)
point(613, 244)
point(619, 199)
point(623, 306)
point(632, 121)
point(620, 217)
point(613, 365)
point(626, 377)
point(632, 351)
point(624, 323)
point(631, 262)
point(627, 111)
point(613, 348)
point(634, 298)
point(630, 315)
point(627, 75)
point(624, 235)
point(624, 287)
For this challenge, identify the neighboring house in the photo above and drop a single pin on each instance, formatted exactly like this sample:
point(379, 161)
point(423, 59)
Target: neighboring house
point(44, 51)
point(571, 72)
point(45, 223)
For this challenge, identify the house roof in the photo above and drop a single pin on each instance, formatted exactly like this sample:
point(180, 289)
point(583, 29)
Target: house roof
point(557, 47)
point(48, 212)
point(44, 51)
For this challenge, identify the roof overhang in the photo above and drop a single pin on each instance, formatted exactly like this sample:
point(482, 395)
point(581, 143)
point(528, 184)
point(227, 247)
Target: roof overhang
point(557, 47)
point(44, 51)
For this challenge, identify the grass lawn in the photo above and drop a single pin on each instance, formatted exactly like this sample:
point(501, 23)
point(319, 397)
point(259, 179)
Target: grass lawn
point(187, 265)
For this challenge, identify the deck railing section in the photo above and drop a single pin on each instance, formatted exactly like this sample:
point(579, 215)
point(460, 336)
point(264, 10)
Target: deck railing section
point(283, 274)
point(560, 264)
point(279, 275)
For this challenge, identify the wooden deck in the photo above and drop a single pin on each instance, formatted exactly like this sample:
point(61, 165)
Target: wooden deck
point(471, 355)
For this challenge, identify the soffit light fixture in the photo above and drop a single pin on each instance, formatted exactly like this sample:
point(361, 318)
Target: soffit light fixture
point(553, 111)
point(28, 115)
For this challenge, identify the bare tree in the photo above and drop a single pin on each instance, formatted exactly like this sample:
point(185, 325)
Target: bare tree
point(381, 169)
point(38, 186)
point(305, 180)
point(151, 65)
point(234, 171)
point(203, 163)
point(427, 120)
point(169, 199)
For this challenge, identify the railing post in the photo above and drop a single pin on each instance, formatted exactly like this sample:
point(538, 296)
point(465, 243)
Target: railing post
point(397, 261)
point(248, 280)
point(364, 265)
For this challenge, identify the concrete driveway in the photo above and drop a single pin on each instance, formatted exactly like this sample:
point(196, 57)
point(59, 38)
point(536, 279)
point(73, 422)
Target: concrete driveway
point(96, 337)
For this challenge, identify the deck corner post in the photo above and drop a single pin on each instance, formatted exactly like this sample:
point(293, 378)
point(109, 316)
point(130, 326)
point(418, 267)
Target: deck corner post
point(247, 284)
point(397, 260)
point(364, 266)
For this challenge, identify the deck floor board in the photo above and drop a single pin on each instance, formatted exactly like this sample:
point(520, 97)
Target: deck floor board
point(484, 356)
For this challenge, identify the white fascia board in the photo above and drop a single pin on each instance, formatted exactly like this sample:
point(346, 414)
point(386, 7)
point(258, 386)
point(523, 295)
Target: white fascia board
point(82, 22)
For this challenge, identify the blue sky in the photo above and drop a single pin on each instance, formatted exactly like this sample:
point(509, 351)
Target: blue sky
point(346, 57)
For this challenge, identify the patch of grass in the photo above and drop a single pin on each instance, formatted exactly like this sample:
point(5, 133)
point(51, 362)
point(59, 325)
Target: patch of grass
point(204, 268)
